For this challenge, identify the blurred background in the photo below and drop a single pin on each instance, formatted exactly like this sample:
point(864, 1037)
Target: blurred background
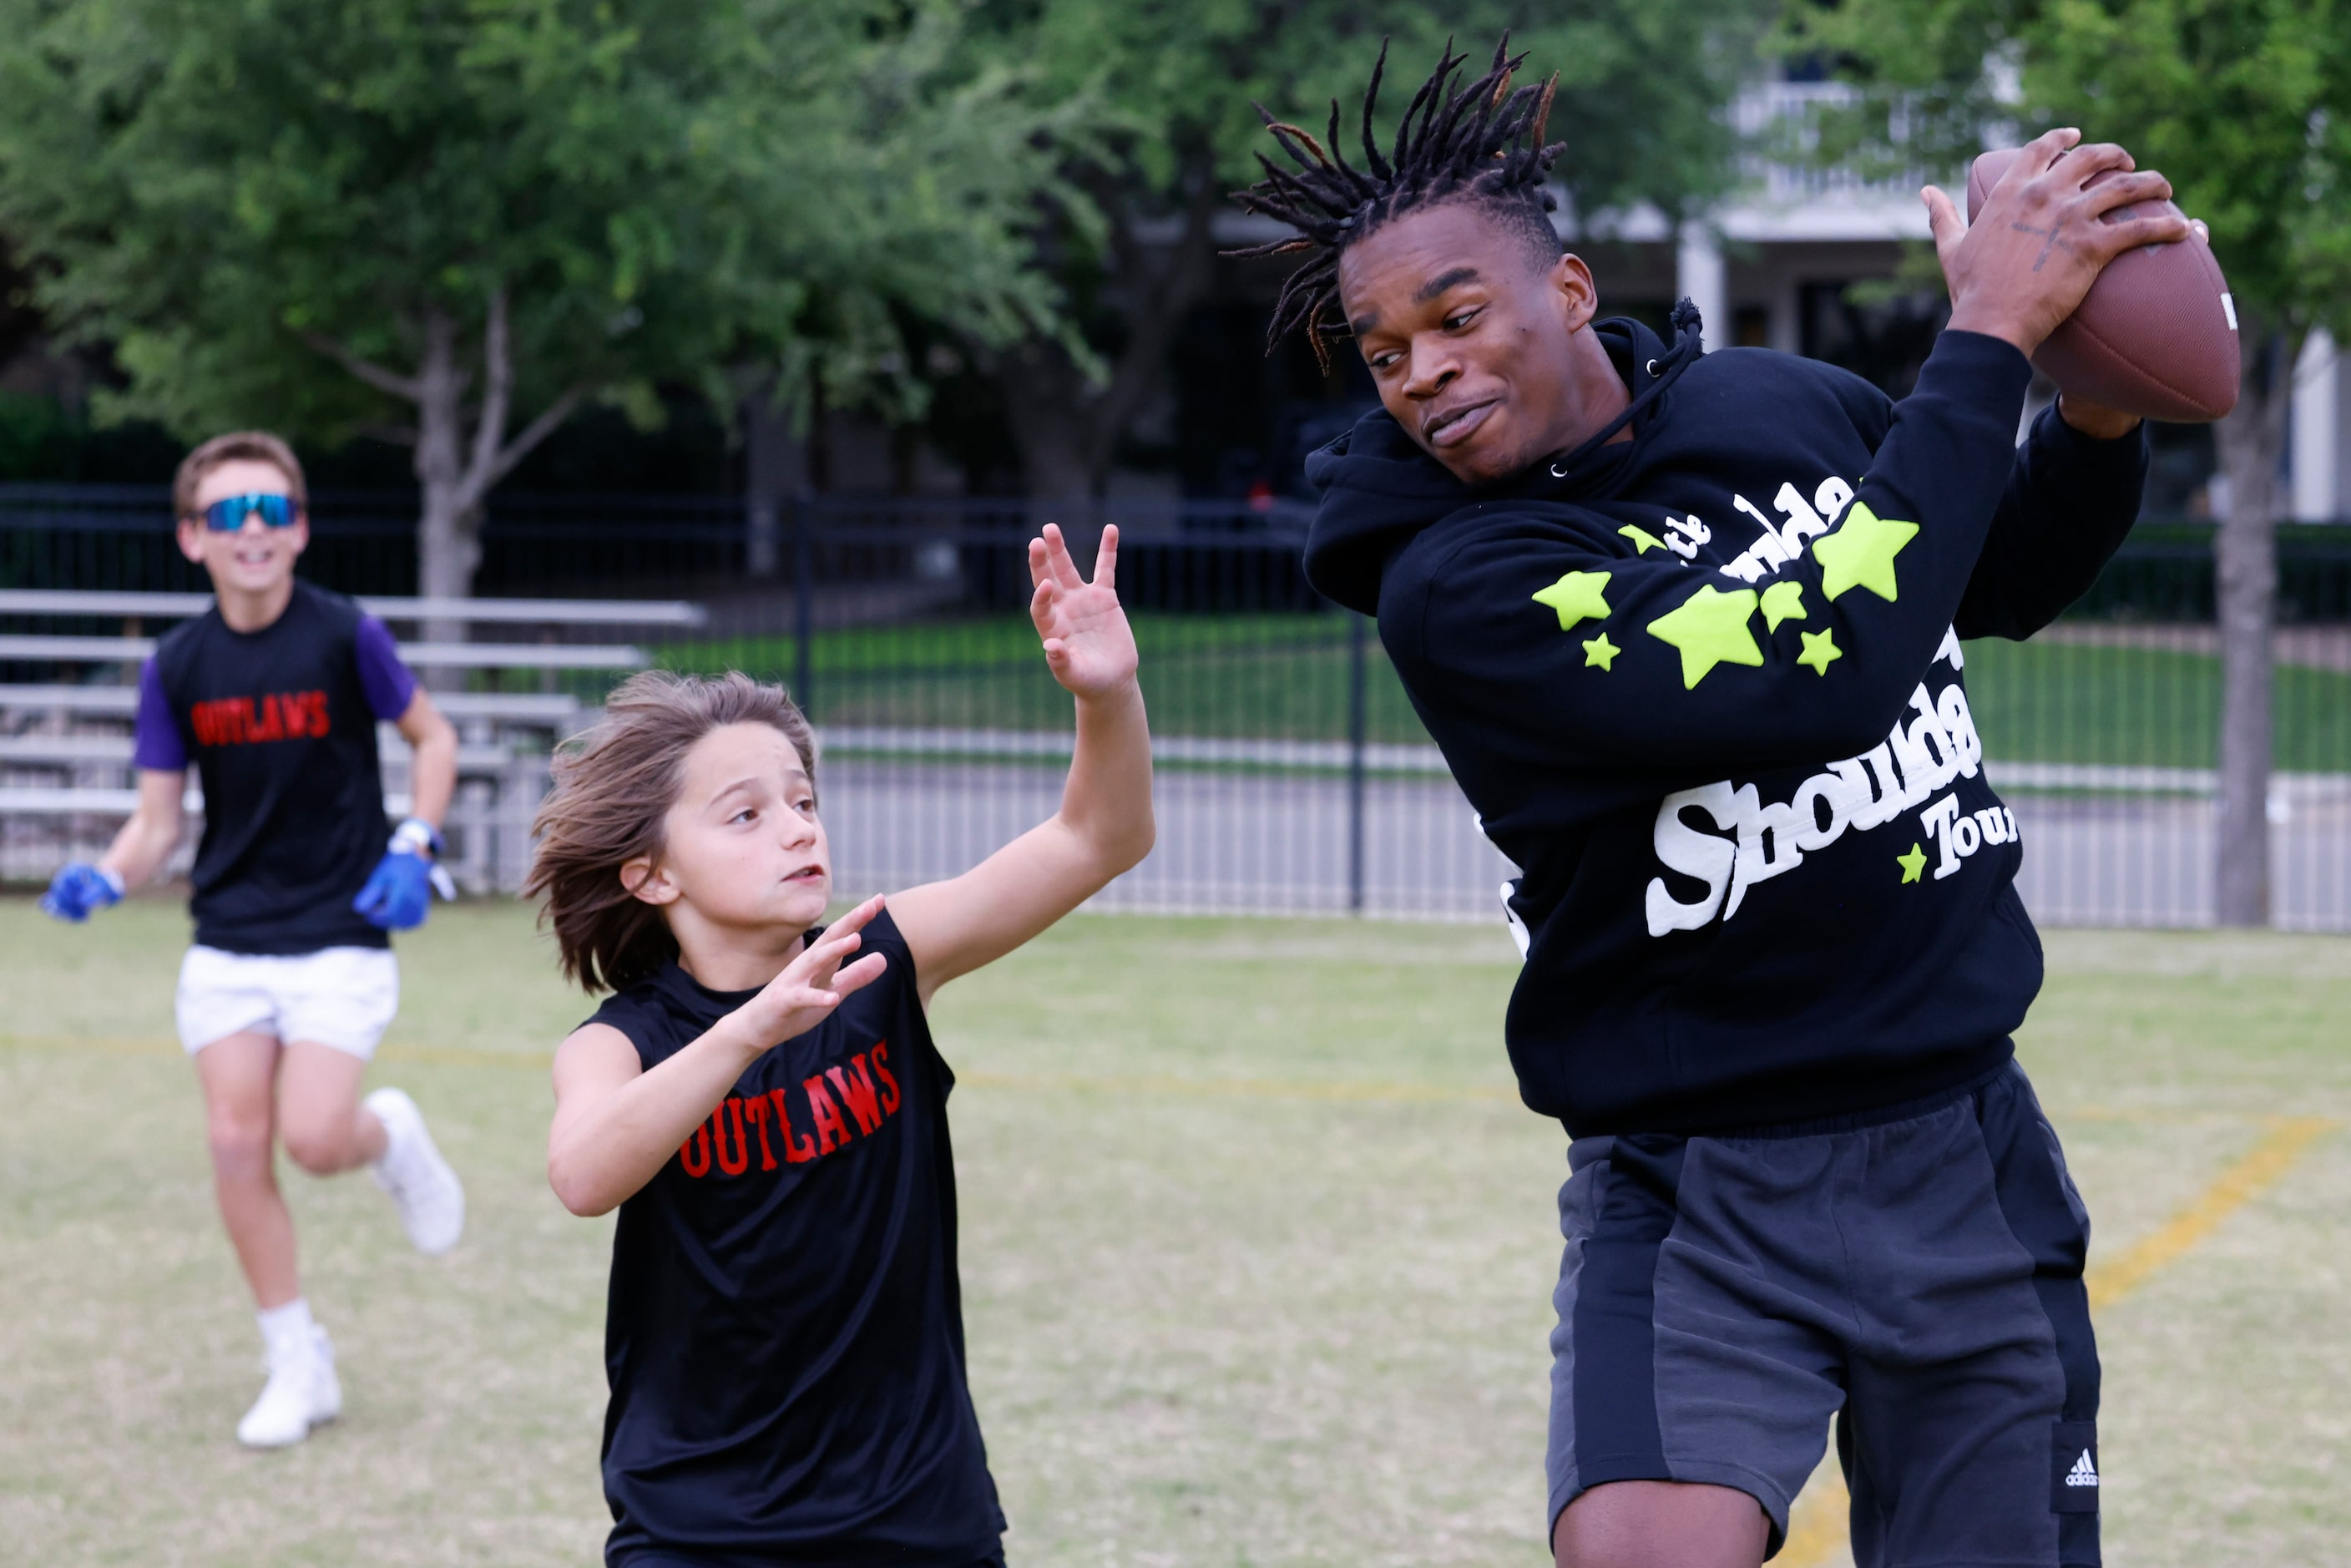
point(800, 317)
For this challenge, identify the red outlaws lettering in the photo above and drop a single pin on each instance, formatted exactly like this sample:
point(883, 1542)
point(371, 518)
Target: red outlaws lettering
point(247, 721)
point(791, 1127)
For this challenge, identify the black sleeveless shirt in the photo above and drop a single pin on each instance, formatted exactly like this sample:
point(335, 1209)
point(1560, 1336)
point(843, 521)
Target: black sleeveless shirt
point(784, 1332)
point(280, 725)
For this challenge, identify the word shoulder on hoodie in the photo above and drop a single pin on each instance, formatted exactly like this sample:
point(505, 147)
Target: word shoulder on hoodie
point(1704, 686)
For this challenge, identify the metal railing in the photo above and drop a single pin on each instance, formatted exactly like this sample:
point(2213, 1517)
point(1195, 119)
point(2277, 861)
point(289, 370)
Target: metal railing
point(1294, 774)
point(1779, 123)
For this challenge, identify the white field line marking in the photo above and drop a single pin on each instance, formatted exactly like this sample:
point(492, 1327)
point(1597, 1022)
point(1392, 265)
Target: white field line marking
point(885, 740)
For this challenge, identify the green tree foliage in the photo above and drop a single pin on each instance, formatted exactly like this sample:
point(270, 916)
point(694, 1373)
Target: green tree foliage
point(2246, 106)
point(1642, 84)
point(450, 221)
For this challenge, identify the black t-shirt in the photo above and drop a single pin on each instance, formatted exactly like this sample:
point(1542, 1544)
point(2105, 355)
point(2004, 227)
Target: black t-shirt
point(280, 725)
point(784, 1335)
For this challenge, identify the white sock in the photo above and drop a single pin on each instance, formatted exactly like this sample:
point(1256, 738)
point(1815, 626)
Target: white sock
point(391, 1140)
point(287, 1330)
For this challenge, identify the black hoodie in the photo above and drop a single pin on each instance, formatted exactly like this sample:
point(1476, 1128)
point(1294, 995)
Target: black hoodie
point(1704, 686)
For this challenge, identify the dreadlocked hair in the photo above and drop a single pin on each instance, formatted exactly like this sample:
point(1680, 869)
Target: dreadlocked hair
point(1480, 141)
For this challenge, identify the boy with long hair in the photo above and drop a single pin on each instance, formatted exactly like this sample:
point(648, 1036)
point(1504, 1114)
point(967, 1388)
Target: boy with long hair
point(762, 1102)
point(273, 694)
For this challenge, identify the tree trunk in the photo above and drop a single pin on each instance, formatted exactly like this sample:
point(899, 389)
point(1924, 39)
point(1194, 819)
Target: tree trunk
point(449, 532)
point(455, 475)
point(776, 471)
point(2251, 443)
point(1066, 425)
point(1052, 414)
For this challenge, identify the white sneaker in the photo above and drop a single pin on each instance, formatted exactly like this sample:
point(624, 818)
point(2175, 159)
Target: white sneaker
point(302, 1393)
point(431, 1199)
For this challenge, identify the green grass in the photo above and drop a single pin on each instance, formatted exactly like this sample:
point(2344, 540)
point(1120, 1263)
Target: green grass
point(1258, 1249)
point(2066, 702)
point(1286, 677)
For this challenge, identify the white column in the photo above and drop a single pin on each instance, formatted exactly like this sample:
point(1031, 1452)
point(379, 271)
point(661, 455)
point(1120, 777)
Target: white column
point(1787, 316)
point(1699, 277)
point(2318, 452)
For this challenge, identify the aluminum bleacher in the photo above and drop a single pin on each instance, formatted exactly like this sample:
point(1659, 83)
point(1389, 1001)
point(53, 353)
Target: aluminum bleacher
point(66, 778)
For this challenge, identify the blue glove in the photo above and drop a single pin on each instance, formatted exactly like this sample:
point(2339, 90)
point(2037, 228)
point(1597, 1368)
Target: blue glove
point(78, 889)
point(400, 890)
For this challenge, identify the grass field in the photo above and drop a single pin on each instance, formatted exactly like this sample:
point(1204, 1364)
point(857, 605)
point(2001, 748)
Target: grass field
point(1258, 1252)
point(1286, 676)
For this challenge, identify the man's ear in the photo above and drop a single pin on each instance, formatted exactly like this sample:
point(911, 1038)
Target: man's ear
point(648, 882)
point(190, 532)
point(1571, 286)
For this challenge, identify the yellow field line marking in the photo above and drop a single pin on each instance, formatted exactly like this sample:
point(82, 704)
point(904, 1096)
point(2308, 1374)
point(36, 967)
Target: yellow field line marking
point(1816, 1530)
point(103, 1045)
point(1816, 1533)
point(2261, 1165)
point(1819, 1529)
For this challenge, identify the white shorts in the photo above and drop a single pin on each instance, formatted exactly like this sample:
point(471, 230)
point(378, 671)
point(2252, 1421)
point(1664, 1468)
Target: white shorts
point(340, 996)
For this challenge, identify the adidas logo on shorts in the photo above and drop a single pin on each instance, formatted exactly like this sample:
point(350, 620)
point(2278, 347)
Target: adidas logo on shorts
point(2084, 1473)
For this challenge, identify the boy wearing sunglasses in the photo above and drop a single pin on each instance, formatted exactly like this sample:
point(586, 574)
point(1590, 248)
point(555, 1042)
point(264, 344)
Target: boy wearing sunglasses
point(274, 696)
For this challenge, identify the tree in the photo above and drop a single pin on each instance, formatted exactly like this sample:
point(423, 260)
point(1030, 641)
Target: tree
point(1642, 84)
point(2246, 106)
point(449, 222)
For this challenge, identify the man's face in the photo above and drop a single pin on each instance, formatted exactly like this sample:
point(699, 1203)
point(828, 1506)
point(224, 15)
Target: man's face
point(255, 557)
point(1467, 334)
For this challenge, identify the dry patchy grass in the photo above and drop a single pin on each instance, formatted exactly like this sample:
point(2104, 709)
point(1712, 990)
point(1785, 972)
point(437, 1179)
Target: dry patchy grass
point(1257, 1251)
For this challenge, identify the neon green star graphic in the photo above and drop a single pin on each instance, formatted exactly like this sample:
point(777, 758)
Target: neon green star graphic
point(1820, 647)
point(1912, 863)
point(1782, 601)
point(1577, 597)
point(1860, 553)
point(1600, 651)
point(1643, 541)
point(1710, 628)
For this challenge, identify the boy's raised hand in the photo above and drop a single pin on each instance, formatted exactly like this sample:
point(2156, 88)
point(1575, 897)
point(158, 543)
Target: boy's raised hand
point(813, 984)
point(1088, 643)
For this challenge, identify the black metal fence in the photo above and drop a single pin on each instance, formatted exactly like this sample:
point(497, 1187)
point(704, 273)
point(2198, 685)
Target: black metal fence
point(1295, 775)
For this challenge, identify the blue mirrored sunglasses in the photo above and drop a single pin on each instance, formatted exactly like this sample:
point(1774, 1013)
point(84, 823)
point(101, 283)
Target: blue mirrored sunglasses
point(227, 517)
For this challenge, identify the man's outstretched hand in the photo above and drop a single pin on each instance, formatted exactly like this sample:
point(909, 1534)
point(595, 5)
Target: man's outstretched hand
point(1088, 643)
point(2042, 239)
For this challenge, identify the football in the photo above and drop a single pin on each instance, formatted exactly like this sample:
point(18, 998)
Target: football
point(2157, 334)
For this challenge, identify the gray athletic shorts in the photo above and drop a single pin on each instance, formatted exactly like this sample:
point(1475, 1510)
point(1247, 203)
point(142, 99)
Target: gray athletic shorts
point(1915, 1272)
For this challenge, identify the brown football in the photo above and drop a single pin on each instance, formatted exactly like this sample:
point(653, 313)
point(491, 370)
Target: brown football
point(2157, 334)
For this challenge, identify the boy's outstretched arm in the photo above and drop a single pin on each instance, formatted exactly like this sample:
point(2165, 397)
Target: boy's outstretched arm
point(1105, 826)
